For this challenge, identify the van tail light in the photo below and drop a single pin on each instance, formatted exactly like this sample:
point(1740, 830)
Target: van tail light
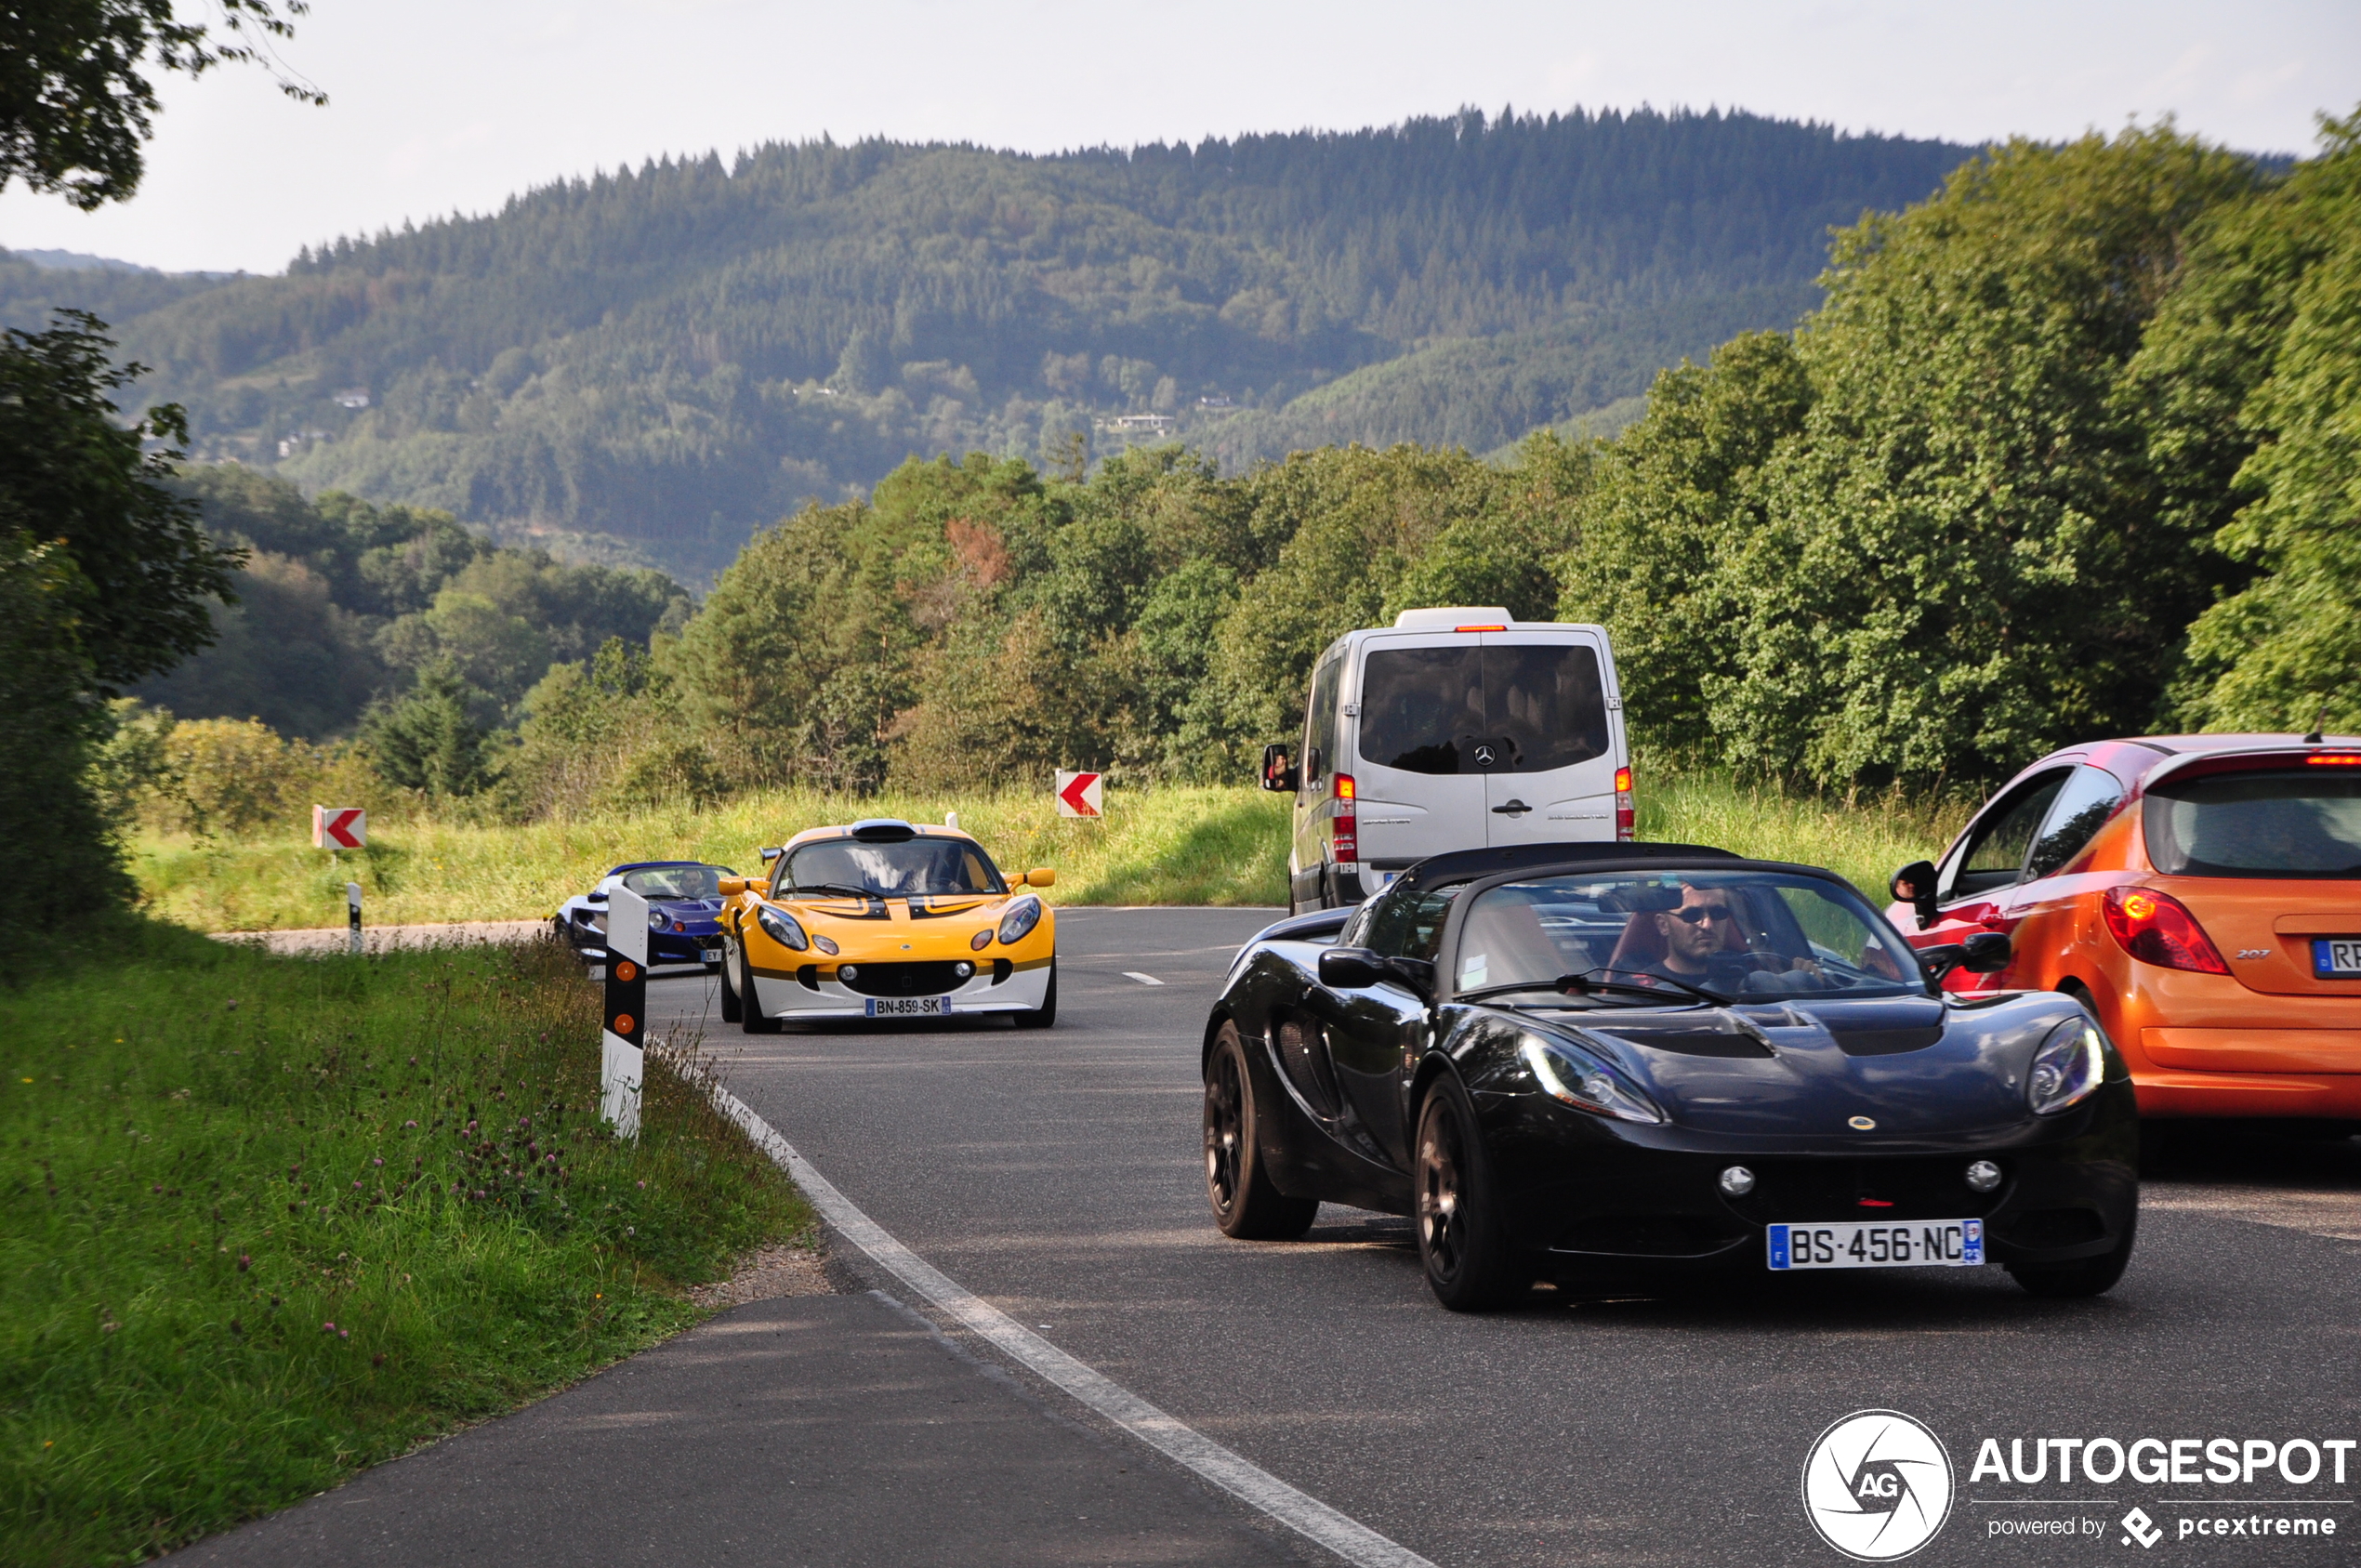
point(2157, 928)
point(1346, 825)
point(1626, 822)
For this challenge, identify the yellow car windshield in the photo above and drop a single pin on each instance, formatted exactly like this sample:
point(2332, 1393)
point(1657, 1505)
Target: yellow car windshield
point(924, 867)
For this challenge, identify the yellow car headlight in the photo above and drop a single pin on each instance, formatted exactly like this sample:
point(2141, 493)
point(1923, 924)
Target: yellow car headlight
point(1023, 915)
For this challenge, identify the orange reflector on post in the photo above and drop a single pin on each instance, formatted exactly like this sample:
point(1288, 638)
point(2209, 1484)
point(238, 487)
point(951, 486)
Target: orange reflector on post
point(623, 1024)
point(625, 970)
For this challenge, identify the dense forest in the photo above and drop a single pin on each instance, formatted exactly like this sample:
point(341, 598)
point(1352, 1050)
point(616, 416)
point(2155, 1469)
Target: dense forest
point(649, 364)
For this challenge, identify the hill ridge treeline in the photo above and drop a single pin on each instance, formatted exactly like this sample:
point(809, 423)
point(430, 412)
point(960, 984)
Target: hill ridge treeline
point(668, 357)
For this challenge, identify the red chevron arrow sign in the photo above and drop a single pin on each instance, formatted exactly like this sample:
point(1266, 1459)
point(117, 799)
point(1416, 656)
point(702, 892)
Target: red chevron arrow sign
point(1081, 794)
point(339, 827)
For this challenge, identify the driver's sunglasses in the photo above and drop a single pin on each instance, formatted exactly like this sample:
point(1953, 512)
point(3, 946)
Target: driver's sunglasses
point(1697, 914)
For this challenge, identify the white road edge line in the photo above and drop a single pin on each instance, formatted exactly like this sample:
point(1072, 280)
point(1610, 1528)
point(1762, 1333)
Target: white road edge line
point(1309, 1517)
point(1144, 979)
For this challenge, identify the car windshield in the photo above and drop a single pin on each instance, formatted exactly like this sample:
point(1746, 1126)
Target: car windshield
point(2297, 823)
point(1749, 935)
point(677, 881)
point(923, 866)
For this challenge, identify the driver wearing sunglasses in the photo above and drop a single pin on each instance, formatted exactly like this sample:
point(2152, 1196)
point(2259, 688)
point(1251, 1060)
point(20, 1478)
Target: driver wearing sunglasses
point(1706, 941)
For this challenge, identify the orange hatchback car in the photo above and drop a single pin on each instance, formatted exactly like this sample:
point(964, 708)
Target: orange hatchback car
point(2200, 893)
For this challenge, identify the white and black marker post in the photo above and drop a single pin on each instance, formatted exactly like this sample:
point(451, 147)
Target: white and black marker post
point(623, 1057)
point(352, 914)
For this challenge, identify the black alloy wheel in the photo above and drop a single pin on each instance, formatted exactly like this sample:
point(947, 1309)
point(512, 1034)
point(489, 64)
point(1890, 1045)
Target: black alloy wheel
point(2088, 1276)
point(751, 1018)
point(1246, 1205)
point(1469, 1264)
point(1046, 1014)
point(733, 1010)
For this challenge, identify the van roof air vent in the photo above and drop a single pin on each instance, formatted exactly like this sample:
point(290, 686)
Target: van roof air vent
point(1452, 616)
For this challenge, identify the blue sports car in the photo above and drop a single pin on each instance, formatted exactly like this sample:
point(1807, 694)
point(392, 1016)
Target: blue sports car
point(684, 897)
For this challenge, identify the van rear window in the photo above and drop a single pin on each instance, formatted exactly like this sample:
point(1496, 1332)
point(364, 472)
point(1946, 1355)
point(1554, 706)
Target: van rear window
point(1531, 707)
point(2305, 823)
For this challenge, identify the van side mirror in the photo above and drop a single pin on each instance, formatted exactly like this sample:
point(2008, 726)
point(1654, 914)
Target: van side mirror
point(1279, 773)
point(1914, 885)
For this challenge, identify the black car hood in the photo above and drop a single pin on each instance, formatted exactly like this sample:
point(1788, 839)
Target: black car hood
point(1914, 1066)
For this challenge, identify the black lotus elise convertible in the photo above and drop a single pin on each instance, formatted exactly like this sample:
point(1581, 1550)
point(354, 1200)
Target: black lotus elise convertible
point(1571, 1059)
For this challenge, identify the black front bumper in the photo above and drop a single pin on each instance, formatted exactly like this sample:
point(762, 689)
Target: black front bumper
point(1582, 1193)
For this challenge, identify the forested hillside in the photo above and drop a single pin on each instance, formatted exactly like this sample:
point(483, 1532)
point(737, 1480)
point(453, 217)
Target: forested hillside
point(668, 357)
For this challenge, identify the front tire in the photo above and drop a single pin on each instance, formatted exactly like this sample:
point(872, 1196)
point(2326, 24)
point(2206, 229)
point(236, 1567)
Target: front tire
point(751, 1017)
point(1469, 1263)
point(2088, 1276)
point(1046, 1014)
point(1246, 1205)
point(733, 1010)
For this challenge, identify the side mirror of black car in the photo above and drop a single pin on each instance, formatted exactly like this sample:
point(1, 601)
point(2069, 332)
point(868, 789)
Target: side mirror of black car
point(1279, 775)
point(1983, 954)
point(1986, 953)
point(594, 898)
point(1914, 885)
point(1351, 968)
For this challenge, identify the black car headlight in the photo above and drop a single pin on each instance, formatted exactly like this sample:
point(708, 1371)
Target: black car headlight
point(781, 928)
point(1572, 1076)
point(2070, 1066)
point(1023, 915)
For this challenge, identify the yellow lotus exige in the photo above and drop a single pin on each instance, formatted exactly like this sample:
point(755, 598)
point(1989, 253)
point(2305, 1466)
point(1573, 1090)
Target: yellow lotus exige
point(883, 919)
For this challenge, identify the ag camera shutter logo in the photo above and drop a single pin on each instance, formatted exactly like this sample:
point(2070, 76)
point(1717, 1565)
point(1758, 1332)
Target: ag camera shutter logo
point(1877, 1485)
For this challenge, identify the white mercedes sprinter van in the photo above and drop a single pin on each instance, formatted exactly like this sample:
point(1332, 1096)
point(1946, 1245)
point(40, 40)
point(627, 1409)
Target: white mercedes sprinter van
point(1451, 729)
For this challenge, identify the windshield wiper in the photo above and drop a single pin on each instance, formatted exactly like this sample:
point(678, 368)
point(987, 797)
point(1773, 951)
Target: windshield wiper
point(1582, 984)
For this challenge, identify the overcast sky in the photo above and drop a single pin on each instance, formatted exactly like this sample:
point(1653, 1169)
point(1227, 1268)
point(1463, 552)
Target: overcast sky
point(439, 105)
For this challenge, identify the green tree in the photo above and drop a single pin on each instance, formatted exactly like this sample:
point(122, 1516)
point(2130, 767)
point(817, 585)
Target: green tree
point(1961, 561)
point(145, 570)
point(2270, 326)
point(75, 104)
point(1675, 501)
point(428, 740)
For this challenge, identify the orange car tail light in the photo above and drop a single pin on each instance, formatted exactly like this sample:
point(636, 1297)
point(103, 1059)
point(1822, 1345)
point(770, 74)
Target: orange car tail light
point(2335, 759)
point(2157, 928)
point(1627, 821)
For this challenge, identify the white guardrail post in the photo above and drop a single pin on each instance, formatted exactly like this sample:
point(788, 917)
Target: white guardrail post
point(622, 1055)
point(352, 914)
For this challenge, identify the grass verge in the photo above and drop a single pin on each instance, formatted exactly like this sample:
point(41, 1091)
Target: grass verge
point(1864, 840)
point(1166, 846)
point(271, 1220)
point(1193, 846)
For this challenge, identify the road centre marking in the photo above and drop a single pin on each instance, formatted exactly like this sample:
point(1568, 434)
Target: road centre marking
point(1144, 979)
point(1299, 1512)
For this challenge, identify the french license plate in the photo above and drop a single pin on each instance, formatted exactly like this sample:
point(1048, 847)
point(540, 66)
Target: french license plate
point(2335, 957)
point(1916, 1243)
point(908, 1006)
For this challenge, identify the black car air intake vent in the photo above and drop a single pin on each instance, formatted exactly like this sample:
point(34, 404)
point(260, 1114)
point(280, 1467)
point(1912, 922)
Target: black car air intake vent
point(1886, 1042)
point(1690, 1040)
point(902, 980)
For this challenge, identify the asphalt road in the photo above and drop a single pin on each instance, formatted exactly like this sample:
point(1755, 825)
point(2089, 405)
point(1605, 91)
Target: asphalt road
point(1057, 1175)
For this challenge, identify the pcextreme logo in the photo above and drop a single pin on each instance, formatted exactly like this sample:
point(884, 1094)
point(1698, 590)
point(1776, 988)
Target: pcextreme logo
point(1877, 1485)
